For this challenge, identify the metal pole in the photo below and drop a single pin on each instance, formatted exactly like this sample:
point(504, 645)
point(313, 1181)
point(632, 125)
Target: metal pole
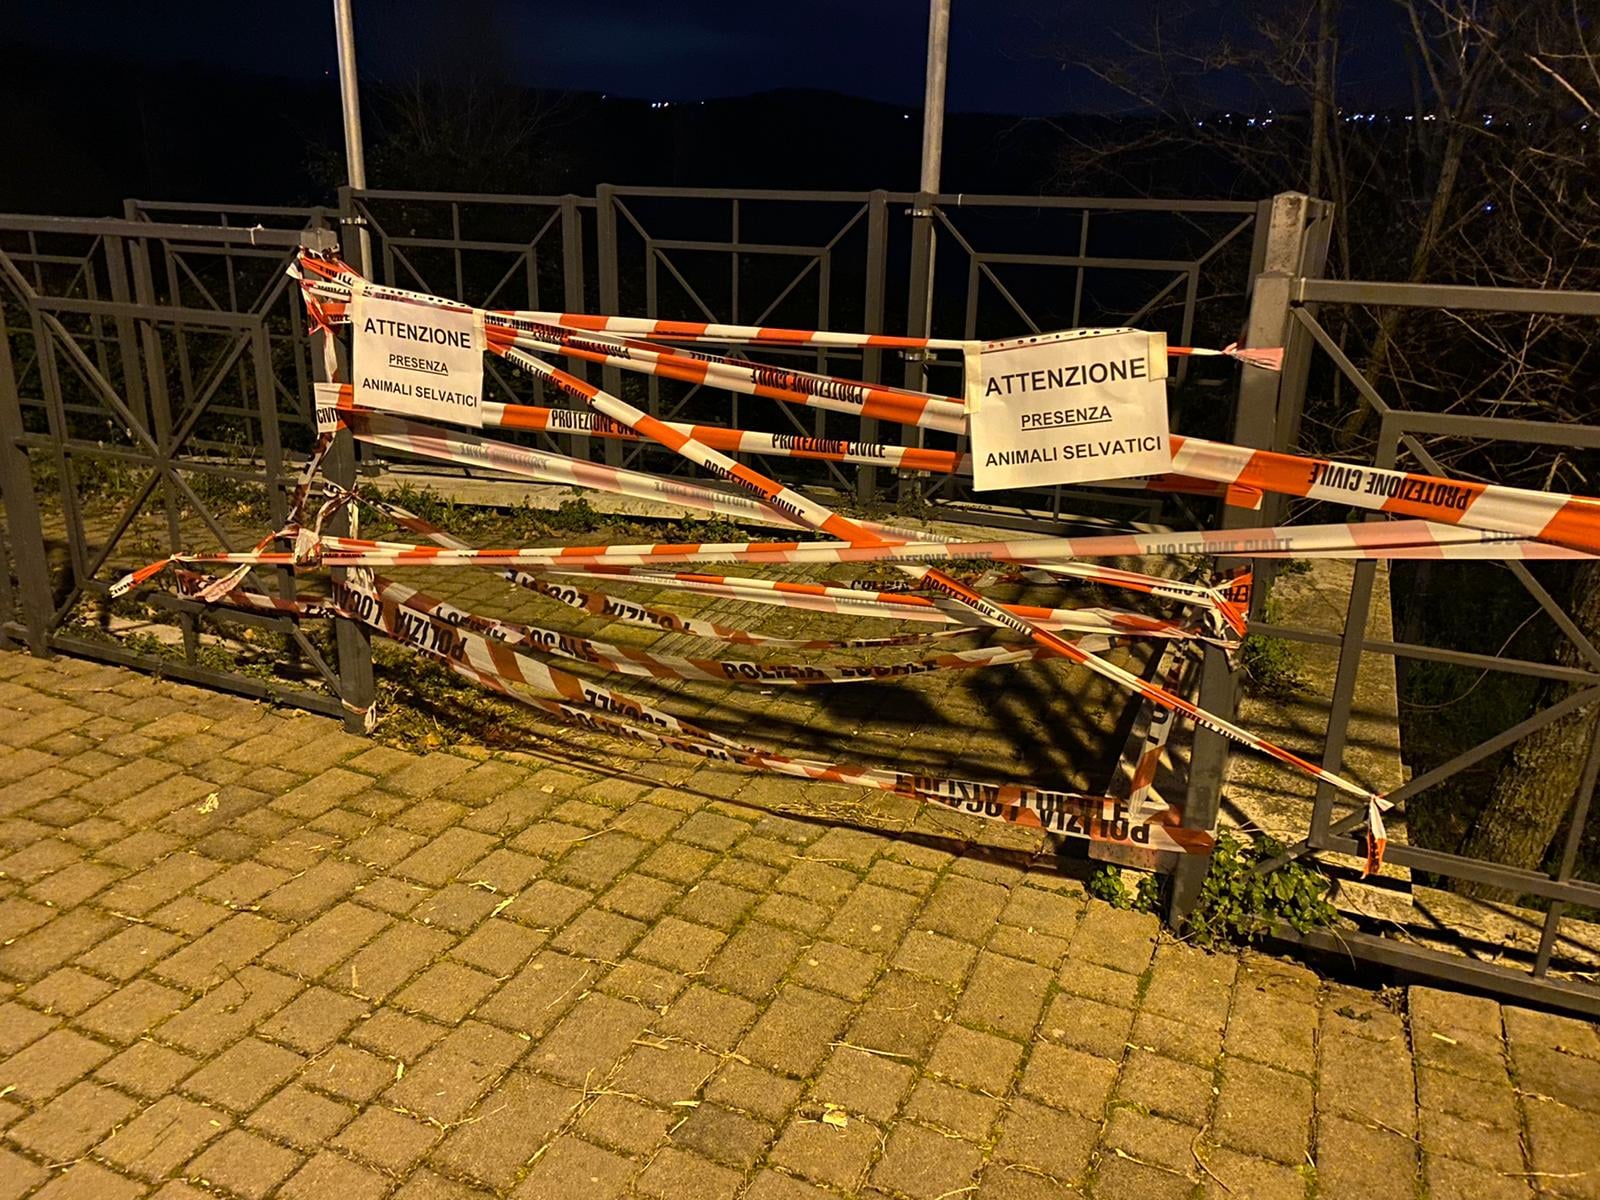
point(919, 309)
point(933, 93)
point(349, 94)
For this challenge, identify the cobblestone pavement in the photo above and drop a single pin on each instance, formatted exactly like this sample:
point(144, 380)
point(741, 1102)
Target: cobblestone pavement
point(248, 953)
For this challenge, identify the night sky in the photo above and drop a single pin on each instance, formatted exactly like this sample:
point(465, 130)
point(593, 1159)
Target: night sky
point(1006, 56)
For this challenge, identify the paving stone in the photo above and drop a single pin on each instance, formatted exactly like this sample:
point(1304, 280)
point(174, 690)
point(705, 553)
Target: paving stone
point(935, 956)
point(1155, 1140)
point(539, 995)
point(498, 947)
point(313, 892)
point(599, 935)
point(1561, 1142)
point(228, 1011)
point(965, 909)
point(655, 987)
point(1188, 1043)
point(574, 1167)
point(792, 1035)
point(865, 1084)
point(902, 1016)
point(769, 1185)
point(1495, 1148)
point(1005, 995)
point(130, 953)
point(20, 1025)
point(163, 1137)
point(237, 941)
point(1099, 983)
point(1166, 1087)
point(147, 1069)
point(1264, 1112)
point(668, 1073)
point(50, 1065)
point(625, 1125)
point(1116, 938)
point(34, 955)
point(1354, 1161)
point(590, 1039)
point(723, 1136)
point(330, 1175)
point(348, 1073)
point(1087, 1025)
point(920, 1162)
point(751, 1089)
point(1056, 1143)
point(1353, 1012)
point(513, 1122)
point(1448, 1179)
point(301, 1118)
point(1548, 1031)
point(1068, 1079)
point(842, 970)
point(716, 903)
point(89, 1181)
point(451, 1077)
point(244, 1074)
point(1229, 1173)
point(1275, 1030)
point(1567, 1078)
point(314, 1020)
point(381, 967)
point(396, 1035)
point(71, 1123)
point(1191, 986)
point(982, 1061)
point(1367, 1081)
point(754, 959)
point(545, 904)
point(826, 1154)
point(792, 912)
point(18, 1176)
point(437, 862)
point(133, 1010)
point(952, 1110)
point(873, 918)
point(245, 1164)
point(679, 944)
point(1123, 1179)
point(389, 1140)
point(446, 992)
point(67, 992)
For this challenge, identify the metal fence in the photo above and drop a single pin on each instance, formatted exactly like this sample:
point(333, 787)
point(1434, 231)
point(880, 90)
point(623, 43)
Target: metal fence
point(167, 346)
point(162, 367)
point(1296, 305)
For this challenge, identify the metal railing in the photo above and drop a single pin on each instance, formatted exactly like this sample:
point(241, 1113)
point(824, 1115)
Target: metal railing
point(161, 342)
point(1296, 303)
point(164, 357)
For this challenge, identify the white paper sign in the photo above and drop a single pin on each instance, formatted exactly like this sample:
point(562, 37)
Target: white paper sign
point(1068, 408)
point(418, 360)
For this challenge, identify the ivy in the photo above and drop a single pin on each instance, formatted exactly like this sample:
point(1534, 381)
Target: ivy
point(1236, 905)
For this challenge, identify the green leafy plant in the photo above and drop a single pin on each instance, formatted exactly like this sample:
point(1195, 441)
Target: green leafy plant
point(1271, 666)
point(1238, 905)
point(1109, 884)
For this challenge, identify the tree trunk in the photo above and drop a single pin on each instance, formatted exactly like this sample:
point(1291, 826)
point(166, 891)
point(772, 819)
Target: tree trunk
point(1534, 791)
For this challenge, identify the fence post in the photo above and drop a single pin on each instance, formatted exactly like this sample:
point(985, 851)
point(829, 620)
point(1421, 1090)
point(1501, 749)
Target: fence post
point(872, 360)
point(605, 236)
point(352, 641)
point(919, 318)
point(572, 294)
point(22, 507)
point(1256, 424)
